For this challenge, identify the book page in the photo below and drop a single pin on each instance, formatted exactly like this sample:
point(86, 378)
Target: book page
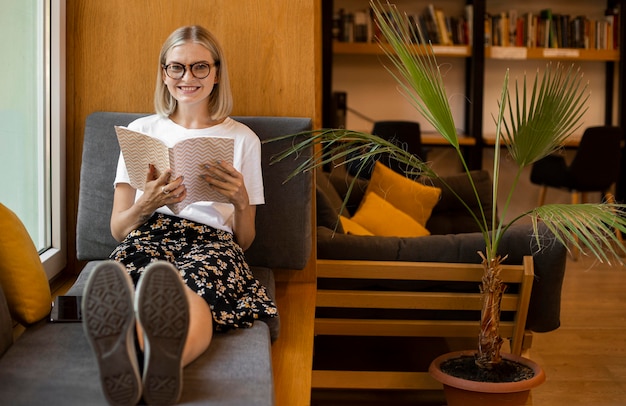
point(140, 150)
point(186, 158)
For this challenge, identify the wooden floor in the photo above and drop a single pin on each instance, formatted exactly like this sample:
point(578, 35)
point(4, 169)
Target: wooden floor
point(584, 360)
point(292, 353)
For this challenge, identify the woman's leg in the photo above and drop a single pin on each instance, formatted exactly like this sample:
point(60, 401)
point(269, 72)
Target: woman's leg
point(200, 327)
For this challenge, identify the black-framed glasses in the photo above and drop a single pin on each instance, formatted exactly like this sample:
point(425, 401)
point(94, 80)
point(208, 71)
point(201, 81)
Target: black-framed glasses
point(199, 70)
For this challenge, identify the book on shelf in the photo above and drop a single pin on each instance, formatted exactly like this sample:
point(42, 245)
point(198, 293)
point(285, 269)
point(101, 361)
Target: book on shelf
point(436, 27)
point(543, 29)
point(469, 24)
point(548, 29)
point(612, 16)
point(443, 34)
point(546, 38)
point(500, 32)
point(513, 21)
point(352, 26)
point(185, 158)
point(362, 29)
point(429, 25)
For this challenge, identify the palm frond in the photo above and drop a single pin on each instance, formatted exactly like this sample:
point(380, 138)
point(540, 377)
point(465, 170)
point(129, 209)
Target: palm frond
point(540, 126)
point(492, 242)
point(419, 76)
point(587, 227)
point(338, 147)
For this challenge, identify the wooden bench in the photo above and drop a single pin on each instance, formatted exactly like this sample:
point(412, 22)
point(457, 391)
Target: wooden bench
point(519, 278)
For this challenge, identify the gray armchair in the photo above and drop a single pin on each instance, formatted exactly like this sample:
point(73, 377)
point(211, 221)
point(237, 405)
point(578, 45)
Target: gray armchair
point(52, 364)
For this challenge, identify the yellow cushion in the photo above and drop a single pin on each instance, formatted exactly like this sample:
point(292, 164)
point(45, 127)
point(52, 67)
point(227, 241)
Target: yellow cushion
point(352, 227)
point(22, 276)
point(413, 198)
point(383, 219)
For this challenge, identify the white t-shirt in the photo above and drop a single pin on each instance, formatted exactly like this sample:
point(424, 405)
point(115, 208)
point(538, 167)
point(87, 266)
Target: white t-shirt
point(247, 160)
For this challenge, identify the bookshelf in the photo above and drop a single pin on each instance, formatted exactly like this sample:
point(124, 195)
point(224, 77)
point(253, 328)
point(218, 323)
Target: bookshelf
point(471, 62)
point(575, 54)
point(363, 48)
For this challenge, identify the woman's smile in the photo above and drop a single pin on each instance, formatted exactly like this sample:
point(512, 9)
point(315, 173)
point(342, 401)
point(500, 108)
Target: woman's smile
point(188, 89)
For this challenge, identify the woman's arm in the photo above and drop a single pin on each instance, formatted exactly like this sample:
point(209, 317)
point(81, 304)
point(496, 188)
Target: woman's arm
point(245, 227)
point(229, 182)
point(127, 214)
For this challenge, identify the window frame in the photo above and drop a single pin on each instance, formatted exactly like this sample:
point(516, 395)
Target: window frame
point(54, 259)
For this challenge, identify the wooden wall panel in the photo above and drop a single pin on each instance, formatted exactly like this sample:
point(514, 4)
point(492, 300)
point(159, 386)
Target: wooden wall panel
point(272, 47)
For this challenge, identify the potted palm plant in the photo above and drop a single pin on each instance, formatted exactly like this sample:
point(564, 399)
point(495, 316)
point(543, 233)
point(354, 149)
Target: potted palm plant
point(529, 124)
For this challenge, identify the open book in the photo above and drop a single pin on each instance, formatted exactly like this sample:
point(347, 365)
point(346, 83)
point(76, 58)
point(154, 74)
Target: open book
point(185, 158)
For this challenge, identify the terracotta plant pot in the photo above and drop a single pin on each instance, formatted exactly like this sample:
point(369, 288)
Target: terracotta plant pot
point(466, 393)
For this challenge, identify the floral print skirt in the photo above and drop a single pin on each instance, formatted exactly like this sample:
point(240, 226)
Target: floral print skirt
point(210, 262)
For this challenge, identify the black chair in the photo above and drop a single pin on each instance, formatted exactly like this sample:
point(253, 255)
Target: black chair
point(406, 134)
point(595, 167)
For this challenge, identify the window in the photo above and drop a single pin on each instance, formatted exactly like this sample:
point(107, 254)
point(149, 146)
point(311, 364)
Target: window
point(32, 122)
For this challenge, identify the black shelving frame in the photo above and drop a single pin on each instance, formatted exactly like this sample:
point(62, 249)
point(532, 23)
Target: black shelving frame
point(475, 81)
point(475, 85)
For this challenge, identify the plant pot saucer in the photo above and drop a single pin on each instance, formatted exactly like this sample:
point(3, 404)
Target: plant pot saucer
point(465, 392)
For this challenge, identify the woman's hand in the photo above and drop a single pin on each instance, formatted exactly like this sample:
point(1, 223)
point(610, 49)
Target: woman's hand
point(129, 214)
point(159, 191)
point(224, 178)
point(227, 180)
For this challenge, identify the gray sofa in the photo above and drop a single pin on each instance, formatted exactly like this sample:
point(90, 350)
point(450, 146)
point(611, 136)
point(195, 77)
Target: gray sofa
point(454, 238)
point(52, 364)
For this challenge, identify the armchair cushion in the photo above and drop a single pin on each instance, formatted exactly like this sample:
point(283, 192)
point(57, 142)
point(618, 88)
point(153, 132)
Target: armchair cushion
point(22, 276)
point(327, 212)
point(330, 193)
point(334, 245)
point(342, 181)
point(449, 216)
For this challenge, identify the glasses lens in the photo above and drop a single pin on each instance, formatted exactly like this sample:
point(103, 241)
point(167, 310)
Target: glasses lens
point(201, 70)
point(175, 70)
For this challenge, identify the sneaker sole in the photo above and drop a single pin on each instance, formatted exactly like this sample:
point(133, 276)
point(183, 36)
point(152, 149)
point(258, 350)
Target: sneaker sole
point(163, 312)
point(109, 324)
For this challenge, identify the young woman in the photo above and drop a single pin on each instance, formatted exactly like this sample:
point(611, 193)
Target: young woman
point(189, 268)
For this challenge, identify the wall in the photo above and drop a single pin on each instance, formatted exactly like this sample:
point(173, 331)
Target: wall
point(113, 50)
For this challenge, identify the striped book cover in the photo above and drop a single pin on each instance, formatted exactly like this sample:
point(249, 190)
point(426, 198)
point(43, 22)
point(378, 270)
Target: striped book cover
point(186, 158)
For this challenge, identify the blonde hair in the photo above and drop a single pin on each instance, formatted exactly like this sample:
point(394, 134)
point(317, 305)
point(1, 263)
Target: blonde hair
point(221, 98)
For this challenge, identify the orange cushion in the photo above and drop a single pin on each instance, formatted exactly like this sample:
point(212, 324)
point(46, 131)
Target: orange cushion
point(22, 276)
point(411, 197)
point(381, 218)
point(352, 227)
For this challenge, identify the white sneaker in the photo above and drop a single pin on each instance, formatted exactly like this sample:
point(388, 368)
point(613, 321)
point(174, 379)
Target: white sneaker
point(109, 324)
point(163, 312)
